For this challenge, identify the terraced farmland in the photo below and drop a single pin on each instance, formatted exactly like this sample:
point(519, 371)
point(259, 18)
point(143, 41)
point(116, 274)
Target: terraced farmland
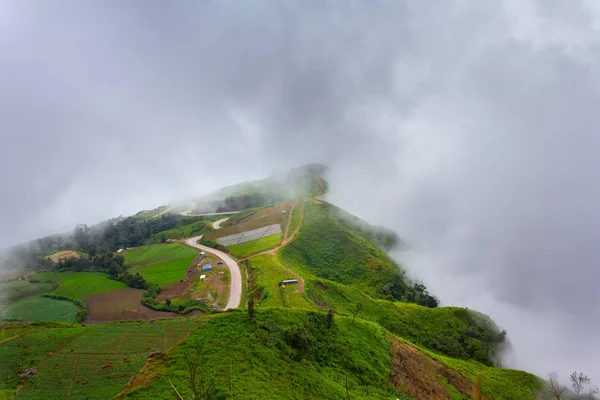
point(92, 362)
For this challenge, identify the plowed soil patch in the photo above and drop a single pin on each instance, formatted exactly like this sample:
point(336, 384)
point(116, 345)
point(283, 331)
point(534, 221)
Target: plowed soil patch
point(121, 305)
point(418, 375)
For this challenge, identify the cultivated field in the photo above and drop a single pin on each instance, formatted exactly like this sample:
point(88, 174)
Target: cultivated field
point(16, 290)
point(258, 219)
point(246, 249)
point(163, 264)
point(63, 255)
point(79, 285)
point(93, 362)
point(35, 309)
point(248, 236)
point(121, 305)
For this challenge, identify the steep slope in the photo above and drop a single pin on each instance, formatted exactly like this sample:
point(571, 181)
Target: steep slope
point(328, 249)
point(384, 238)
point(451, 331)
point(295, 354)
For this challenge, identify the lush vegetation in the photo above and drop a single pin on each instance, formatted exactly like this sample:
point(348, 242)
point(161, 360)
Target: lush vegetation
point(16, 290)
point(453, 331)
point(349, 328)
point(243, 250)
point(385, 238)
point(78, 285)
point(183, 307)
point(279, 355)
point(81, 307)
point(328, 249)
point(266, 275)
point(297, 215)
point(40, 309)
point(185, 231)
point(161, 265)
point(498, 383)
point(92, 362)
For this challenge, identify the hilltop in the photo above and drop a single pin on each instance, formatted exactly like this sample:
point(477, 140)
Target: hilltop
point(140, 310)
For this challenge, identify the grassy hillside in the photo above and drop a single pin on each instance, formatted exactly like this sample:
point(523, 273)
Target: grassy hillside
point(79, 285)
point(451, 331)
point(296, 354)
point(281, 355)
point(385, 238)
point(266, 275)
point(242, 250)
point(328, 249)
point(162, 264)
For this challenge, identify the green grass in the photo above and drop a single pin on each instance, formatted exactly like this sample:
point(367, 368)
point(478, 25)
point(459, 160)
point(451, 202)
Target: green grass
point(498, 383)
point(297, 216)
point(451, 331)
point(16, 290)
point(28, 349)
point(79, 285)
point(40, 309)
point(92, 362)
point(282, 355)
point(163, 264)
point(268, 275)
point(329, 250)
point(243, 250)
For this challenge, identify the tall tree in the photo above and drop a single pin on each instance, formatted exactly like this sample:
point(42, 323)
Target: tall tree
point(555, 390)
point(578, 381)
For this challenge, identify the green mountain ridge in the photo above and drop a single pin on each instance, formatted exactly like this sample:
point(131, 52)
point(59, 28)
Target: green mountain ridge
point(352, 327)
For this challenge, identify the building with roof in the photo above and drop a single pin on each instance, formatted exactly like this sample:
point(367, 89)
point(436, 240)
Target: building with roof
point(207, 267)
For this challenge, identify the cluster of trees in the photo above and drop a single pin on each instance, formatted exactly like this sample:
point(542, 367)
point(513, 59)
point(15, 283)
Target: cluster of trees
point(128, 232)
point(249, 200)
point(149, 300)
point(100, 239)
point(418, 294)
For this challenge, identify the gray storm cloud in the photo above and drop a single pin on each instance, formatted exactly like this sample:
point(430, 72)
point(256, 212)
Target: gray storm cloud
point(468, 127)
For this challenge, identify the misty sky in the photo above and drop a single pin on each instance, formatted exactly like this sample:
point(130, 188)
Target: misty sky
point(468, 127)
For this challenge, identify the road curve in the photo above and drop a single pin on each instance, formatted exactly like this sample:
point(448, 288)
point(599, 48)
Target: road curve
point(217, 224)
point(235, 288)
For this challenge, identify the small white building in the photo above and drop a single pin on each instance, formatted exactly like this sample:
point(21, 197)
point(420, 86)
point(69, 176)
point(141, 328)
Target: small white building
point(202, 253)
point(120, 251)
point(202, 277)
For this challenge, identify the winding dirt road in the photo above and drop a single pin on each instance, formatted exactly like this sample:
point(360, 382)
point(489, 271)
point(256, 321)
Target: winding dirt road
point(235, 288)
point(217, 224)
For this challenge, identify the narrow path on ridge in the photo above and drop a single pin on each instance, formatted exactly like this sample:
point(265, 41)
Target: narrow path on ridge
point(235, 287)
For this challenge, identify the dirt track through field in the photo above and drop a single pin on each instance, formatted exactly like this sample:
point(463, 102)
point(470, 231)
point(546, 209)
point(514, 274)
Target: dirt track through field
point(287, 238)
point(235, 293)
